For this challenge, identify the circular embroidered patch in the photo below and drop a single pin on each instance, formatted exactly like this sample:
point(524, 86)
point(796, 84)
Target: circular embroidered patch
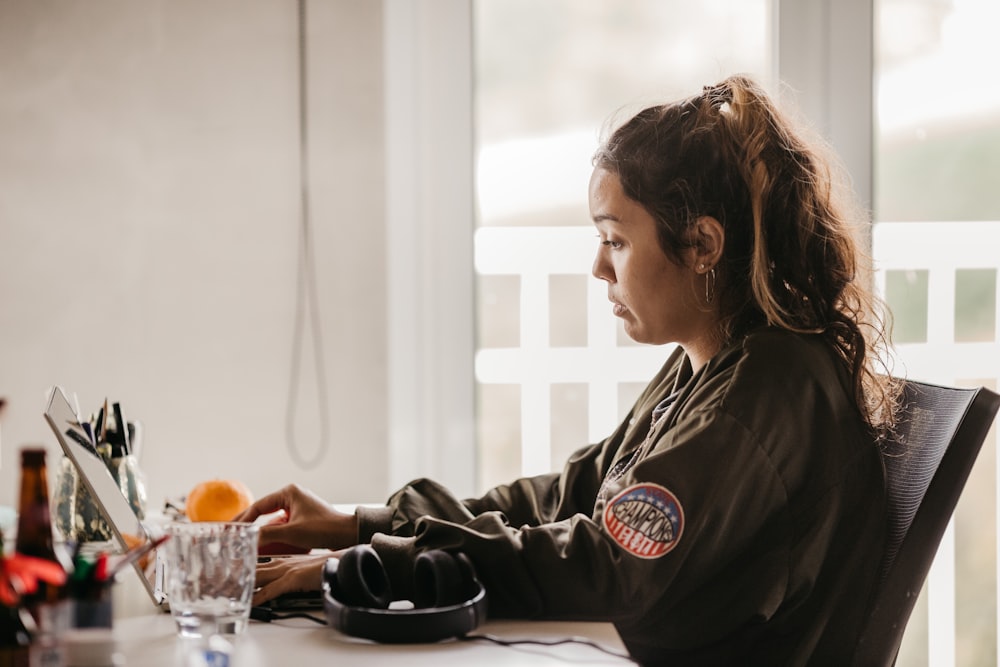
point(646, 520)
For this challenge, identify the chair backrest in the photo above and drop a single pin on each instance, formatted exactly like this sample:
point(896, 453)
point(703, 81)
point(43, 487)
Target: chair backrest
point(940, 434)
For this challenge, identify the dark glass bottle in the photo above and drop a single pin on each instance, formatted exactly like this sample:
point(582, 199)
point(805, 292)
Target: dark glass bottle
point(34, 522)
point(49, 604)
point(14, 639)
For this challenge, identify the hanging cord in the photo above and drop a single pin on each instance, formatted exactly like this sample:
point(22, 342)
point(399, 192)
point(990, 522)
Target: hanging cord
point(306, 299)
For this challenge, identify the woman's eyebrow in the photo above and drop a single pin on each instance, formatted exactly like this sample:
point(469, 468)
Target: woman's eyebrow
point(605, 217)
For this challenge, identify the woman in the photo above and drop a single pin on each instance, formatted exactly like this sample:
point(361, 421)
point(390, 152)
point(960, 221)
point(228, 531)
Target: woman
point(736, 515)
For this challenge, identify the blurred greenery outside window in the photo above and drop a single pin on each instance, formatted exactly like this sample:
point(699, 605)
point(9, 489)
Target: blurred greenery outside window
point(937, 152)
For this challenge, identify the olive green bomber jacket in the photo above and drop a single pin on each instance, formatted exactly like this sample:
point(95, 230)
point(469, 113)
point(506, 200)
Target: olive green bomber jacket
point(744, 527)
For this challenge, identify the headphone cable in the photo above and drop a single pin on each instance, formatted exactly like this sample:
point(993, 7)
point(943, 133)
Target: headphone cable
point(546, 642)
point(265, 615)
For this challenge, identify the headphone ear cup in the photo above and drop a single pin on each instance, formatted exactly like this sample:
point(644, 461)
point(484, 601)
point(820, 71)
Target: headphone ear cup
point(362, 580)
point(470, 580)
point(438, 580)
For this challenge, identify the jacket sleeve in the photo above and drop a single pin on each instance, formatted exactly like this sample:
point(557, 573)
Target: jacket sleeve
point(529, 501)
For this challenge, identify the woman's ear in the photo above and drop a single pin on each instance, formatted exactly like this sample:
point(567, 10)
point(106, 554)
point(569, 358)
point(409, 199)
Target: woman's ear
point(709, 240)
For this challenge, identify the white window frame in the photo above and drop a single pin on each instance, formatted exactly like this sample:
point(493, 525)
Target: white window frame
point(429, 225)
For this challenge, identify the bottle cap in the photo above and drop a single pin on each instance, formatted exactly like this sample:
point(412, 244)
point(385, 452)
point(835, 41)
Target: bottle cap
point(32, 456)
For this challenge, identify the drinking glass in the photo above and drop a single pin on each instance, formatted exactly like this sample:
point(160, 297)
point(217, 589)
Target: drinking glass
point(211, 569)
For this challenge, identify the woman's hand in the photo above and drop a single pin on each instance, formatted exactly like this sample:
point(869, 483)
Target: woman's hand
point(309, 521)
point(292, 574)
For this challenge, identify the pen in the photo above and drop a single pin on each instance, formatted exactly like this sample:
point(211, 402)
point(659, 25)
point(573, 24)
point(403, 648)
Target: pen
point(101, 568)
point(84, 442)
point(88, 428)
point(136, 553)
point(81, 583)
point(122, 430)
point(99, 427)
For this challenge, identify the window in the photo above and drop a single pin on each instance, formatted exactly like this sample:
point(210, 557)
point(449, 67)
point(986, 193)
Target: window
point(935, 237)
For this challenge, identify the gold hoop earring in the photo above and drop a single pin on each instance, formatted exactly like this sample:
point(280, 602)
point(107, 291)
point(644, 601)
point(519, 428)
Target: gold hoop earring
point(710, 286)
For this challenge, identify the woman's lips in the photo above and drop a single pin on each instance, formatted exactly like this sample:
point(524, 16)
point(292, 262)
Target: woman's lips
point(617, 308)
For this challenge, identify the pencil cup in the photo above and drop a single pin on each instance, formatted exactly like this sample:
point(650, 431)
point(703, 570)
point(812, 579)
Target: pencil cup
point(94, 611)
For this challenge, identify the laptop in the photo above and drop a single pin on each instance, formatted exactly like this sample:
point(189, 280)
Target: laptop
point(127, 528)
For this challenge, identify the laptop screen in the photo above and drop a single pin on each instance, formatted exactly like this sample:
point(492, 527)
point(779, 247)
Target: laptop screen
point(128, 531)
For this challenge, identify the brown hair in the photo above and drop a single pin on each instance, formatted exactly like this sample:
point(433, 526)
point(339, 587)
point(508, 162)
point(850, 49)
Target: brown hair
point(792, 258)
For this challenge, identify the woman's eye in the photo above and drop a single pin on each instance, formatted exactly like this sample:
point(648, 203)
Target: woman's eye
point(609, 242)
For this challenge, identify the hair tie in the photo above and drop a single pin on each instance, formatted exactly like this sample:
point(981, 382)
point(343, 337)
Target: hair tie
point(719, 96)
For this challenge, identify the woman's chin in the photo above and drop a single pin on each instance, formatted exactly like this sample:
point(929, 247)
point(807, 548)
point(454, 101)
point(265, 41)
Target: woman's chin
point(635, 332)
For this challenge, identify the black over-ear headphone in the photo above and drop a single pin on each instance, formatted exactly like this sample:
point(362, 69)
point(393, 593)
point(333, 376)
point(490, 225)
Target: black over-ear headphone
point(448, 600)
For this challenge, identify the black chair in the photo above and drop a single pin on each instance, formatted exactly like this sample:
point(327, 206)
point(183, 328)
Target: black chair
point(941, 432)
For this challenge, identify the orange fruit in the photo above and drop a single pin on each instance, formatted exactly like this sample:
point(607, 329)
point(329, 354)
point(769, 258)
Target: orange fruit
point(217, 500)
point(132, 541)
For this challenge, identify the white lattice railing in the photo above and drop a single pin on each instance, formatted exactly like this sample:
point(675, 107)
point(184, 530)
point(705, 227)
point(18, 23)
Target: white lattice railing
point(941, 249)
point(536, 254)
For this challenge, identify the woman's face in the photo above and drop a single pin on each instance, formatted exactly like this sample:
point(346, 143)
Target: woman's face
point(657, 299)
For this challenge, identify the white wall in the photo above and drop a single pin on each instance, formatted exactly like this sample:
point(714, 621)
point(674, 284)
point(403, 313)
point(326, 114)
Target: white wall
point(149, 215)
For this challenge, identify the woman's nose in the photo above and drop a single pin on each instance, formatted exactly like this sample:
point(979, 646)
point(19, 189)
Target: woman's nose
point(602, 268)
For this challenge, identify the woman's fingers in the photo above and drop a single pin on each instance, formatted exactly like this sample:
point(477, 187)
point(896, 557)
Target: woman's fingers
point(272, 502)
point(288, 575)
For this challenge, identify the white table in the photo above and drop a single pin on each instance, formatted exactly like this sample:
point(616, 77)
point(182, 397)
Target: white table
point(148, 638)
point(151, 641)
